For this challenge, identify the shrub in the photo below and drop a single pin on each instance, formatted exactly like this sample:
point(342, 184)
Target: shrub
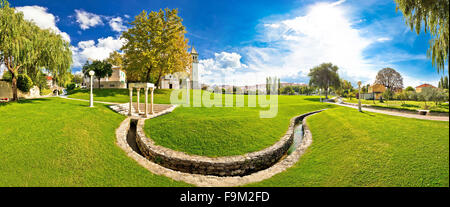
point(24, 83)
point(7, 76)
point(388, 95)
point(71, 86)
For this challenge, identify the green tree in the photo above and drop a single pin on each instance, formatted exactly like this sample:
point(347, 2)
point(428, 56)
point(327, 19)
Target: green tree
point(427, 94)
point(324, 76)
point(443, 83)
point(25, 48)
point(434, 14)
point(156, 46)
point(77, 78)
point(115, 59)
point(102, 69)
point(410, 88)
point(24, 83)
point(446, 82)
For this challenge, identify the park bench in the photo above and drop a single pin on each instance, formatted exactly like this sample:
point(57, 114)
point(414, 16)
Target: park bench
point(4, 99)
point(423, 112)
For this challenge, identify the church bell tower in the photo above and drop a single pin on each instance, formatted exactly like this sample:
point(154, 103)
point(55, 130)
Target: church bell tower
point(195, 80)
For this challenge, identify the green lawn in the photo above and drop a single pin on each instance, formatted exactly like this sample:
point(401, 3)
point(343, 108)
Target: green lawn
point(57, 142)
point(369, 149)
point(222, 131)
point(407, 105)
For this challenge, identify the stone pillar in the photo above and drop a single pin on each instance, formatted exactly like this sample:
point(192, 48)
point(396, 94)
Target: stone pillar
point(151, 101)
point(146, 102)
point(138, 98)
point(131, 101)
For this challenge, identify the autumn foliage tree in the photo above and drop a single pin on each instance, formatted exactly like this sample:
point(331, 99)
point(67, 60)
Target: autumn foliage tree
point(155, 46)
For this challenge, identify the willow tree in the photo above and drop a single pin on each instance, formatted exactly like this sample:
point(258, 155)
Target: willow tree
point(155, 46)
point(433, 14)
point(24, 47)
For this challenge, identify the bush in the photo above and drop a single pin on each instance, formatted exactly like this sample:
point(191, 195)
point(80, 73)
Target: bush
point(24, 83)
point(71, 86)
point(7, 76)
point(388, 95)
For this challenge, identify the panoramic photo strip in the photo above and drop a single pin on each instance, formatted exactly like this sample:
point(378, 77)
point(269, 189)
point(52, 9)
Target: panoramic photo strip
point(196, 98)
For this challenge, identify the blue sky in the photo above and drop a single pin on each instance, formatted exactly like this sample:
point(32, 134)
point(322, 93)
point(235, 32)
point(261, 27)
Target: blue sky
point(242, 42)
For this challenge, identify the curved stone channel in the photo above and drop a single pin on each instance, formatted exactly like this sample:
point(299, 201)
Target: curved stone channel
point(220, 171)
point(240, 165)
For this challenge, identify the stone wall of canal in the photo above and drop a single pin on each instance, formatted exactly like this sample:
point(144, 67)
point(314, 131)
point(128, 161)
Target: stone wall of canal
point(221, 166)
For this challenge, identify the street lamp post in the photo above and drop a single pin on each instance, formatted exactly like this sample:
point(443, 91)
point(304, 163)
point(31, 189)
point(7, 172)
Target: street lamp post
point(320, 94)
point(91, 73)
point(359, 97)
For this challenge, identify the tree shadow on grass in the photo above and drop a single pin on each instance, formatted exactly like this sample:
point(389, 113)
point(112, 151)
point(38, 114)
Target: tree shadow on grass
point(23, 101)
point(410, 105)
point(315, 99)
point(367, 113)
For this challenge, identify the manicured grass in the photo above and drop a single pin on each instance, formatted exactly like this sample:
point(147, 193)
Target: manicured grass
point(407, 105)
point(369, 149)
point(57, 142)
point(160, 96)
point(225, 131)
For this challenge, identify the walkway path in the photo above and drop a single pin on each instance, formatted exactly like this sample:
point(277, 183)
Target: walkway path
point(393, 113)
point(109, 103)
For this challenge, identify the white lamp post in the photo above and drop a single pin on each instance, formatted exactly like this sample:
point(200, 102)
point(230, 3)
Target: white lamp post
point(320, 94)
point(91, 73)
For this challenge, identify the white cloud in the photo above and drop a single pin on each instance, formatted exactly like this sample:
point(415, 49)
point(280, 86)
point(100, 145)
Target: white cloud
point(42, 19)
point(87, 20)
point(223, 64)
point(116, 24)
point(88, 50)
point(325, 32)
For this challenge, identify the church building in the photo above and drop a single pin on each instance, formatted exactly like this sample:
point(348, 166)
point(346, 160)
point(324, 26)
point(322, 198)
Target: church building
point(174, 81)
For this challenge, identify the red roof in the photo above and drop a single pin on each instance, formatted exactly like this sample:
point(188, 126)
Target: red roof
point(425, 85)
point(49, 78)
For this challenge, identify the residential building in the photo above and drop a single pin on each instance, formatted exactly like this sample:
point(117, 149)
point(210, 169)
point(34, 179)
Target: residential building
point(116, 80)
point(426, 85)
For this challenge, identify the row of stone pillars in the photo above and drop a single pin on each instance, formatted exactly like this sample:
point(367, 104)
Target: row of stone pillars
point(138, 87)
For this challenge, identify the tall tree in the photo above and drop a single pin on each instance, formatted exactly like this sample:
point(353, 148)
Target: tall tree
point(156, 46)
point(25, 48)
point(446, 84)
point(324, 76)
point(102, 69)
point(434, 14)
point(389, 78)
point(115, 59)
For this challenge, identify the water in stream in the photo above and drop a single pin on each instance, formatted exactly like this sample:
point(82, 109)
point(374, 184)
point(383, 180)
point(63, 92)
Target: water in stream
point(298, 136)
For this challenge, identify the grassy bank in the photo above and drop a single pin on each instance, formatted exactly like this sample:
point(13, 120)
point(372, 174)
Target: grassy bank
point(369, 149)
point(222, 131)
point(57, 142)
